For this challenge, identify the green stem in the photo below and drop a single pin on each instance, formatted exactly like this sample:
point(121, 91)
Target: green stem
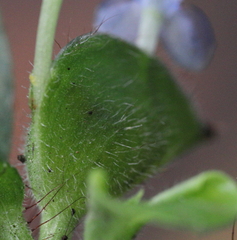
point(44, 46)
point(150, 26)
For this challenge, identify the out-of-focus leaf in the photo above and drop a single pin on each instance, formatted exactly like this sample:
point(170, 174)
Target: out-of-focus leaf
point(6, 96)
point(12, 224)
point(202, 203)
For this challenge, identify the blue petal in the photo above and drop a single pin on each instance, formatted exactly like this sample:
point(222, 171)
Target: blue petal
point(119, 18)
point(189, 38)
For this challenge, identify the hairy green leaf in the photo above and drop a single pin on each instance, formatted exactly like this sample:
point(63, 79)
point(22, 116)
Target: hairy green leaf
point(107, 105)
point(12, 224)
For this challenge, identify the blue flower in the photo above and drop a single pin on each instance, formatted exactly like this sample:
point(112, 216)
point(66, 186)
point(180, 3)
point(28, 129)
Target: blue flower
point(184, 29)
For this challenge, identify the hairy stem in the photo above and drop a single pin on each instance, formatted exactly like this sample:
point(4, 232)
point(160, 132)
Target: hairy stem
point(44, 46)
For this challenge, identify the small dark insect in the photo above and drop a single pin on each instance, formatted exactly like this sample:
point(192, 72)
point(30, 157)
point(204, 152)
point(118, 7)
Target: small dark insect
point(64, 237)
point(21, 158)
point(68, 68)
point(90, 112)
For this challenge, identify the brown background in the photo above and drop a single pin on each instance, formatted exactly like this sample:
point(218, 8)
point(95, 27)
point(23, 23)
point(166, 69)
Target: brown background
point(213, 91)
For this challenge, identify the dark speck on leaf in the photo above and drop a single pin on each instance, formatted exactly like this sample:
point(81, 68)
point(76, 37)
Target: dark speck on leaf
point(68, 68)
point(209, 131)
point(90, 112)
point(21, 158)
point(73, 211)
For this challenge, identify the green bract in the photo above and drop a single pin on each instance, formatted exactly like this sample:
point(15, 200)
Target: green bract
point(106, 105)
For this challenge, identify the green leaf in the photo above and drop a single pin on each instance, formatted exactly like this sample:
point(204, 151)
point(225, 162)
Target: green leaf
point(202, 203)
point(12, 224)
point(107, 105)
point(6, 96)
point(107, 218)
point(205, 202)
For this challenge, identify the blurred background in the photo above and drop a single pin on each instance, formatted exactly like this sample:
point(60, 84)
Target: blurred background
point(213, 92)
